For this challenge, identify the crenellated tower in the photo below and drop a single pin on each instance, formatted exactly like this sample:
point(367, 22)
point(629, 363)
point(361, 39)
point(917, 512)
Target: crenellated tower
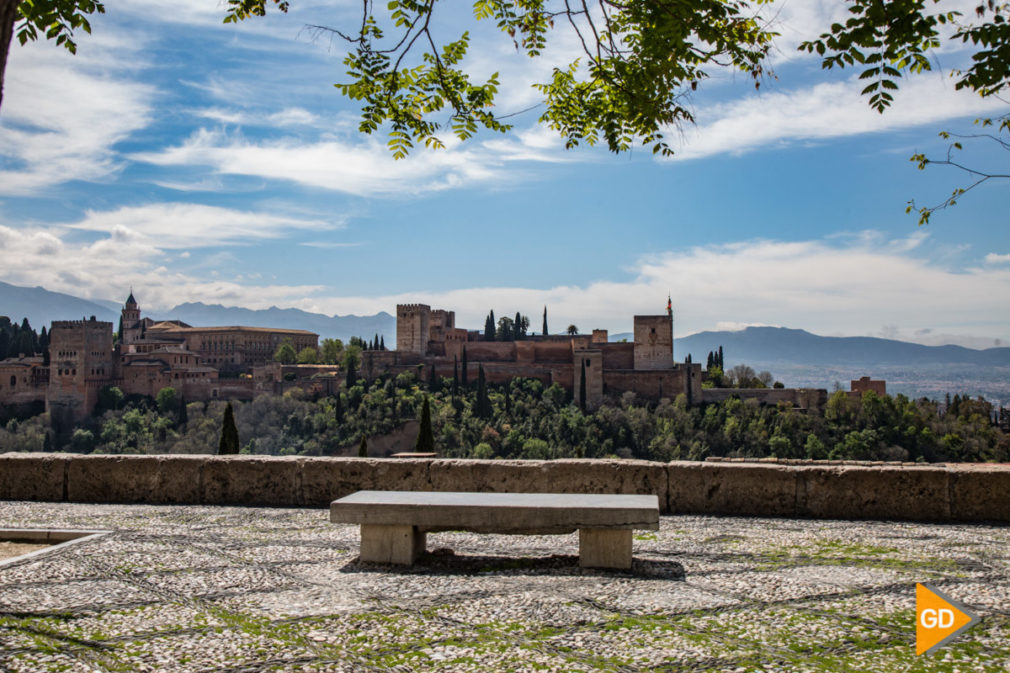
point(413, 328)
point(81, 363)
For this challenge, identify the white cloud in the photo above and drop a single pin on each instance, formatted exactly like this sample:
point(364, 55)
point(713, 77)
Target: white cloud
point(829, 287)
point(730, 326)
point(365, 168)
point(329, 244)
point(290, 116)
point(823, 111)
point(838, 287)
point(108, 267)
point(186, 225)
point(993, 258)
point(293, 116)
point(63, 116)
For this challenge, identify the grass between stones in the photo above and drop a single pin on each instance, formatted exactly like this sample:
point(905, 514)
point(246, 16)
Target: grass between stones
point(744, 638)
point(834, 552)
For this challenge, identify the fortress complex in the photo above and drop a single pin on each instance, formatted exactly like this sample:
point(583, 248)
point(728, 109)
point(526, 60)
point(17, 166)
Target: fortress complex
point(428, 342)
point(428, 338)
point(235, 362)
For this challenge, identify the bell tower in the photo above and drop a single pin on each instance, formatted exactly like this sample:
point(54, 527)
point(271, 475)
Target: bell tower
point(130, 320)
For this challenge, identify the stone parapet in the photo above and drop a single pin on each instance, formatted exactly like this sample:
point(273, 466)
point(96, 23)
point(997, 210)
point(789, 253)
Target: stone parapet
point(631, 477)
point(977, 492)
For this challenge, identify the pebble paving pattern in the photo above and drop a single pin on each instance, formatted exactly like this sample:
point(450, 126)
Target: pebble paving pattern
point(244, 590)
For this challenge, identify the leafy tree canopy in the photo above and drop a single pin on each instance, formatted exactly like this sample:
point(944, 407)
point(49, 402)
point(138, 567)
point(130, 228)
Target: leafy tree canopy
point(639, 60)
point(285, 353)
point(308, 356)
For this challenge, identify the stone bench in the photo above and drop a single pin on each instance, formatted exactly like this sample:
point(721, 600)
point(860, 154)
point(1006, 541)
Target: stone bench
point(394, 523)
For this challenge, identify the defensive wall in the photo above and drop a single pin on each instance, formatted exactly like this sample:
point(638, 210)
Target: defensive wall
point(804, 398)
point(830, 490)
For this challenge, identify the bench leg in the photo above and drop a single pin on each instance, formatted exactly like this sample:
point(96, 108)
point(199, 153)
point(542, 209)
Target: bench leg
point(605, 548)
point(398, 545)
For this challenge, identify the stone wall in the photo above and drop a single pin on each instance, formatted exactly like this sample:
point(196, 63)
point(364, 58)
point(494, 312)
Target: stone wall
point(804, 398)
point(655, 385)
point(818, 490)
point(618, 355)
point(23, 381)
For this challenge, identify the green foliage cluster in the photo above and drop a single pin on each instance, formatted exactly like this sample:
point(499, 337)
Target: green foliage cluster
point(229, 443)
point(56, 19)
point(526, 419)
point(20, 339)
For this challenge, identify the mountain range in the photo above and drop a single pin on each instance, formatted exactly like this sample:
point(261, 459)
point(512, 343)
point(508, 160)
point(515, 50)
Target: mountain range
point(341, 327)
point(796, 346)
point(41, 307)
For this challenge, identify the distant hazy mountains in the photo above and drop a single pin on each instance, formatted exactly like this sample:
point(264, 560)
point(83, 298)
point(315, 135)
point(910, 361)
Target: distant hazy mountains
point(340, 327)
point(41, 307)
point(796, 346)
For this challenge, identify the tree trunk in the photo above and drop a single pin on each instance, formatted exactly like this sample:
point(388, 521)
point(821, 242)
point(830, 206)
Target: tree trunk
point(8, 13)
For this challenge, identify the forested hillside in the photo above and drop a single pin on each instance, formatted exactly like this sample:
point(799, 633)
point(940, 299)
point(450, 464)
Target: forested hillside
point(528, 420)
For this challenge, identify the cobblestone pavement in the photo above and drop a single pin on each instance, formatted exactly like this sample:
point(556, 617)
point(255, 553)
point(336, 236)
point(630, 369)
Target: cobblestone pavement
point(199, 589)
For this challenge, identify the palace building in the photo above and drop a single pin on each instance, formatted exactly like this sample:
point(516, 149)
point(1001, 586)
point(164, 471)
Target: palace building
point(85, 356)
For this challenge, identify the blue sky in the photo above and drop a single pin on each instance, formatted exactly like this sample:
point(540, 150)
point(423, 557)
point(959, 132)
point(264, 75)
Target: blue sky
point(198, 161)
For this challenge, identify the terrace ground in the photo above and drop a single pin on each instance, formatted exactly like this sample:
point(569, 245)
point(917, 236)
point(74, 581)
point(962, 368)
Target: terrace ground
point(199, 589)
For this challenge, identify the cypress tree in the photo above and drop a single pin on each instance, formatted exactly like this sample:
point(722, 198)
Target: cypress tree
point(229, 433)
point(582, 387)
point(455, 376)
point(489, 327)
point(545, 321)
point(518, 326)
point(382, 342)
point(722, 363)
point(352, 375)
point(338, 408)
point(183, 413)
point(425, 437)
point(363, 448)
point(432, 379)
point(119, 335)
point(483, 406)
point(465, 381)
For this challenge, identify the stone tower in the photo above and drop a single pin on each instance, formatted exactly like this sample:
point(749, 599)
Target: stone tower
point(131, 320)
point(413, 328)
point(591, 362)
point(80, 363)
point(654, 342)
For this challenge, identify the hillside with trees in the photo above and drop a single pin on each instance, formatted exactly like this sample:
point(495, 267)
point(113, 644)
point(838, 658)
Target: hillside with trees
point(526, 419)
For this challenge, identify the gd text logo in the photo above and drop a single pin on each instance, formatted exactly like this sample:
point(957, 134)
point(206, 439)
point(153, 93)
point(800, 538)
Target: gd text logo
point(938, 618)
